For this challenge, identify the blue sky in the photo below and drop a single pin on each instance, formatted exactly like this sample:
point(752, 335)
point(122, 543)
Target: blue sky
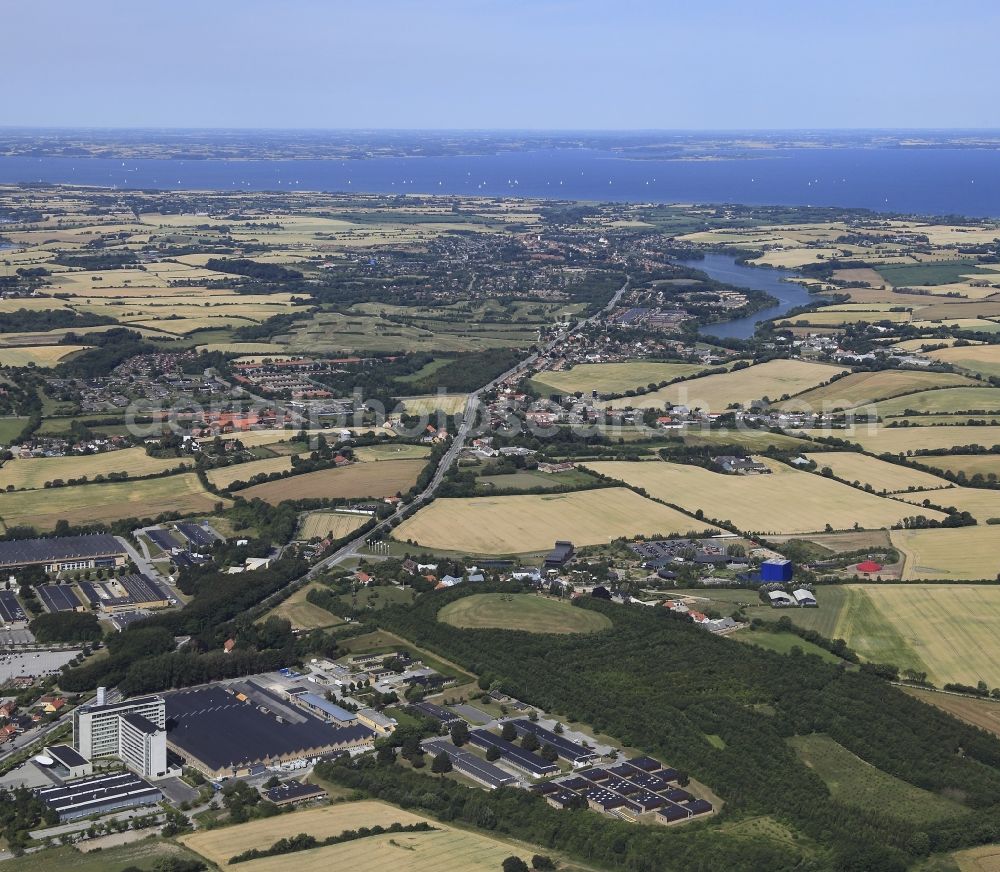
point(546, 64)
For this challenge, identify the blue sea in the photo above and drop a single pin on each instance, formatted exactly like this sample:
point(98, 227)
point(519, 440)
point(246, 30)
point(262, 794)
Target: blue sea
point(932, 181)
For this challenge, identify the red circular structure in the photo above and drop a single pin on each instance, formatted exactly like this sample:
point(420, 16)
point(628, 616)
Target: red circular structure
point(869, 566)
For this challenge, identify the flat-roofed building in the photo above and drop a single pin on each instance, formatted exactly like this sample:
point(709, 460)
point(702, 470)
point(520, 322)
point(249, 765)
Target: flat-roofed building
point(142, 745)
point(125, 594)
point(98, 795)
point(63, 553)
point(69, 762)
point(97, 725)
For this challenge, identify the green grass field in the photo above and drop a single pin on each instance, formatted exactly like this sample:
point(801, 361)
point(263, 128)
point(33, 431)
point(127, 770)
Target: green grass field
point(862, 624)
point(10, 428)
point(534, 614)
point(909, 275)
point(526, 479)
point(856, 783)
point(613, 378)
point(143, 855)
point(783, 643)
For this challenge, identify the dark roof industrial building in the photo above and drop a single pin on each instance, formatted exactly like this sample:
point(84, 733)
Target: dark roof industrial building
point(229, 729)
point(560, 555)
point(293, 792)
point(470, 765)
point(125, 594)
point(63, 552)
point(513, 754)
point(10, 609)
point(428, 710)
point(198, 536)
point(59, 598)
point(571, 751)
point(102, 793)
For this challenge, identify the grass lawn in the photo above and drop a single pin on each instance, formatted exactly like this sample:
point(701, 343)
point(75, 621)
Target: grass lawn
point(856, 783)
point(531, 478)
point(783, 643)
point(534, 614)
point(142, 855)
point(10, 428)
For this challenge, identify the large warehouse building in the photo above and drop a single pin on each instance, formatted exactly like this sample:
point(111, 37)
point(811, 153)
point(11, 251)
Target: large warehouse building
point(233, 729)
point(62, 553)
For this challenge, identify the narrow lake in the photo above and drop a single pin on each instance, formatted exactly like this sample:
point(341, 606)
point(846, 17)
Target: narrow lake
point(724, 268)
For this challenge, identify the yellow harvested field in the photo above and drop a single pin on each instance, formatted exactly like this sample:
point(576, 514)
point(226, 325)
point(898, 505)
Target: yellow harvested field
point(985, 858)
point(447, 403)
point(447, 849)
point(356, 480)
point(791, 258)
point(302, 614)
point(262, 348)
point(784, 502)
point(838, 319)
point(614, 378)
point(224, 476)
point(951, 626)
point(981, 503)
point(956, 553)
point(970, 464)
point(861, 274)
point(529, 523)
point(884, 477)
point(947, 401)
point(184, 326)
point(39, 355)
point(96, 503)
point(34, 472)
point(319, 525)
point(773, 380)
point(220, 844)
point(903, 440)
point(984, 359)
point(33, 304)
point(862, 388)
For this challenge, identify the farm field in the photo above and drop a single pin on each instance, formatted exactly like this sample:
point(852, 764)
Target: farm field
point(862, 624)
point(223, 476)
point(388, 451)
point(951, 626)
point(613, 378)
point(529, 523)
point(797, 502)
point(884, 477)
point(10, 428)
point(983, 359)
point(903, 440)
point(861, 388)
point(782, 643)
point(524, 611)
point(39, 355)
point(333, 524)
point(526, 479)
point(31, 473)
point(982, 503)
point(773, 380)
point(302, 614)
point(822, 619)
point(958, 554)
point(982, 713)
point(144, 854)
point(751, 440)
point(970, 464)
point(442, 848)
point(859, 784)
point(985, 858)
point(946, 401)
point(836, 318)
point(357, 480)
point(95, 503)
point(447, 403)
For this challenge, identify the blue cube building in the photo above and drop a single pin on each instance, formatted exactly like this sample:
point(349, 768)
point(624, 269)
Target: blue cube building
point(776, 570)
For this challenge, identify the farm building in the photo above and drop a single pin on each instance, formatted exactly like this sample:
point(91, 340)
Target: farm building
point(780, 600)
point(805, 598)
point(559, 556)
point(61, 553)
point(776, 570)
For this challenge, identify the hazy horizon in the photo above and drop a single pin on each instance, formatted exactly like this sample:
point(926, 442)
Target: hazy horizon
point(488, 65)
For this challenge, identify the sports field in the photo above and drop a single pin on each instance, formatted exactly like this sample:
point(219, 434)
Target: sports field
point(715, 393)
point(858, 784)
point(34, 472)
point(443, 848)
point(224, 476)
point(956, 554)
point(335, 524)
point(862, 388)
point(983, 359)
point(94, 503)
point(884, 477)
point(530, 523)
point(901, 440)
point(357, 480)
point(787, 501)
point(952, 627)
point(613, 378)
point(946, 401)
point(520, 611)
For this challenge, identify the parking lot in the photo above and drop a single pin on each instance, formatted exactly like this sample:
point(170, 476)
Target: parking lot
point(13, 638)
point(34, 663)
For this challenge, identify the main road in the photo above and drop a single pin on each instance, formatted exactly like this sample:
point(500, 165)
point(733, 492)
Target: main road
point(469, 417)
